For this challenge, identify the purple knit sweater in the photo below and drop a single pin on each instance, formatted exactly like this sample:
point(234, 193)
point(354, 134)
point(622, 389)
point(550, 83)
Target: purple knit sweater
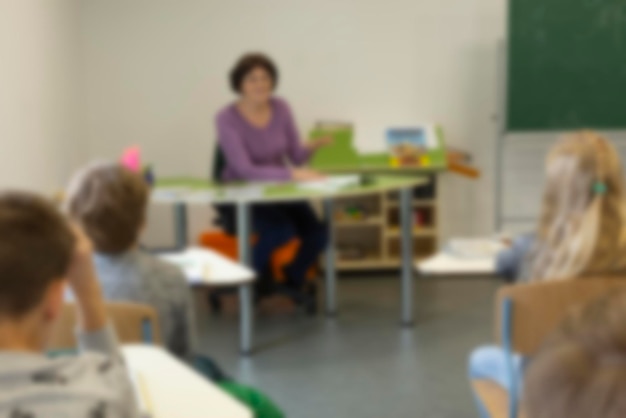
point(260, 154)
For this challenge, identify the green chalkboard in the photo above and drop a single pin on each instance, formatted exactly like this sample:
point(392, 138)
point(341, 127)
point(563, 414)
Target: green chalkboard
point(566, 64)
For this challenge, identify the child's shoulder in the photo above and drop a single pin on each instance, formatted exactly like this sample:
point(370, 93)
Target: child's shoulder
point(70, 385)
point(159, 268)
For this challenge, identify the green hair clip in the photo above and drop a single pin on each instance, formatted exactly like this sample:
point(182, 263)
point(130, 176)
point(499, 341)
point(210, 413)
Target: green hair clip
point(599, 187)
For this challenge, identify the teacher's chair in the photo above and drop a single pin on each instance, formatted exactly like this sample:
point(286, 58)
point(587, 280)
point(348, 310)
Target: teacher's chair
point(225, 241)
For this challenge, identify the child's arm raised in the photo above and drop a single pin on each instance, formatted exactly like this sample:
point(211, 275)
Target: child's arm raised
point(85, 286)
point(95, 334)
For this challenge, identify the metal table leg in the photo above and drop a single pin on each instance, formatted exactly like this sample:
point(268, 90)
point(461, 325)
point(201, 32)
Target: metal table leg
point(247, 318)
point(406, 224)
point(246, 292)
point(331, 275)
point(180, 225)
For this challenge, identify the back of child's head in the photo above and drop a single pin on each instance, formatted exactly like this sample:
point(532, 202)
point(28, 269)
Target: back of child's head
point(110, 203)
point(583, 219)
point(36, 246)
point(581, 371)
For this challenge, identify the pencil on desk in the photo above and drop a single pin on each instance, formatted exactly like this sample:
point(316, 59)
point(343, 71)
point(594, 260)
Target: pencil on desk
point(144, 395)
point(206, 271)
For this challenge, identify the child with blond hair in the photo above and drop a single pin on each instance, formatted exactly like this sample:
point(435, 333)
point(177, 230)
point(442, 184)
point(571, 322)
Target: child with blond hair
point(581, 231)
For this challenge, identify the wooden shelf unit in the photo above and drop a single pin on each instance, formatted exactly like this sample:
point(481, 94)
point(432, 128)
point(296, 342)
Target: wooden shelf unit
point(373, 242)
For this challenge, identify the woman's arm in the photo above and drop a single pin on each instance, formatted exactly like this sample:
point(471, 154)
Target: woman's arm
point(297, 152)
point(239, 160)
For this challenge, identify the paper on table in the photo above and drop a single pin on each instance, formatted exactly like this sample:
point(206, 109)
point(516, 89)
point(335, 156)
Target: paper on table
point(245, 192)
point(201, 196)
point(195, 268)
point(475, 247)
point(168, 194)
point(142, 395)
point(203, 266)
point(447, 264)
point(332, 183)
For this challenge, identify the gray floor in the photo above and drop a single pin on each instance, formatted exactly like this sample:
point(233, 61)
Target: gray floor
point(363, 364)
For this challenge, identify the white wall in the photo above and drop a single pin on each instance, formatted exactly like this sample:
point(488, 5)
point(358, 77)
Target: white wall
point(39, 143)
point(155, 73)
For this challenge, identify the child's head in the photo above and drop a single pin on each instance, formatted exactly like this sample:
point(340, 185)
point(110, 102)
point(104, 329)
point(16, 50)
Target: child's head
point(109, 202)
point(583, 219)
point(581, 371)
point(36, 247)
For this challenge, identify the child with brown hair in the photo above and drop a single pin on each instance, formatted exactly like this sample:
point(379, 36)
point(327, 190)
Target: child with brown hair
point(581, 231)
point(581, 370)
point(39, 255)
point(110, 202)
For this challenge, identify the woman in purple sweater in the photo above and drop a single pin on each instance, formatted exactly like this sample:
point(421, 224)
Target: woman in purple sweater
point(260, 142)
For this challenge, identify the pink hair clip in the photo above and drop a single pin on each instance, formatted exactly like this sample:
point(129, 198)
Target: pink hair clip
point(131, 159)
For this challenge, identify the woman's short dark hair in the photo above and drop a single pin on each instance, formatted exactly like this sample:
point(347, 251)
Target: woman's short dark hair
point(247, 64)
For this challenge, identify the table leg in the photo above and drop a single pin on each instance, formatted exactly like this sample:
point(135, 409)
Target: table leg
point(180, 225)
point(246, 292)
point(330, 270)
point(247, 318)
point(406, 224)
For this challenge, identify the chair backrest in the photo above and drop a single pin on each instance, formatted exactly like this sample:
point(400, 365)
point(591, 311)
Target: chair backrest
point(219, 163)
point(527, 313)
point(133, 323)
point(226, 212)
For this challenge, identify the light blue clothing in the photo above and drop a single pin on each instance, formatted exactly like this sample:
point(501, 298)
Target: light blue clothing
point(513, 263)
point(490, 363)
point(137, 276)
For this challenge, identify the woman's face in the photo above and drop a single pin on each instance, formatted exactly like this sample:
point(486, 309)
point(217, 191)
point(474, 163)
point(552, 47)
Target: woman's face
point(257, 85)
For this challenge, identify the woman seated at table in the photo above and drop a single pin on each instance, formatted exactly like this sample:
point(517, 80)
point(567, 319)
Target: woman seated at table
point(258, 137)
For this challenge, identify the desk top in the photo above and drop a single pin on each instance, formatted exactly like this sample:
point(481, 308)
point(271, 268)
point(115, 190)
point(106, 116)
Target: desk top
point(209, 268)
point(190, 190)
point(170, 388)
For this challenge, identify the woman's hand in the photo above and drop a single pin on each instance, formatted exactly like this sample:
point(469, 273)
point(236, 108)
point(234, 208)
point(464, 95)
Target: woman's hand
point(318, 143)
point(306, 174)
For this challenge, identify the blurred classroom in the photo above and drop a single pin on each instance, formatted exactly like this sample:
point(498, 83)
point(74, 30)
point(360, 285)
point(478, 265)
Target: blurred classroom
point(367, 198)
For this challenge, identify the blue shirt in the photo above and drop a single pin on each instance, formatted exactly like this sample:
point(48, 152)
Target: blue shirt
point(137, 276)
point(513, 263)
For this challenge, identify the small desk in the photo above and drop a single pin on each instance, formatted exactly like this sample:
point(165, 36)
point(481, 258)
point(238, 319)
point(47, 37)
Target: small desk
point(445, 264)
point(204, 267)
point(169, 388)
point(464, 256)
point(183, 191)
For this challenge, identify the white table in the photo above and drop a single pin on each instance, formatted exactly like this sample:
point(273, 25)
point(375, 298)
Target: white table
point(168, 388)
point(204, 267)
point(445, 264)
point(464, 256)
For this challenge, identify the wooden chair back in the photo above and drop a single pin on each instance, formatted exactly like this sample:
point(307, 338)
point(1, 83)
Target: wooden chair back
point(133, 323)
point(527, 313)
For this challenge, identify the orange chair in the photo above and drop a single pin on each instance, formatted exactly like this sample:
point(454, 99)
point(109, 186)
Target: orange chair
point(226, 245)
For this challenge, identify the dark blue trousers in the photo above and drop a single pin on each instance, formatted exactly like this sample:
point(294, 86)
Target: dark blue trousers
point(277, 224)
